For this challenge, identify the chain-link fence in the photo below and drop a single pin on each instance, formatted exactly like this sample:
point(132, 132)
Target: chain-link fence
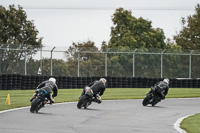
point(60, 61)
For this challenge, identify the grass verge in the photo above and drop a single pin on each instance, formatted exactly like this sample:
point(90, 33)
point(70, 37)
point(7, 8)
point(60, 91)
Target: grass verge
point(20, 98)
point(191, 124)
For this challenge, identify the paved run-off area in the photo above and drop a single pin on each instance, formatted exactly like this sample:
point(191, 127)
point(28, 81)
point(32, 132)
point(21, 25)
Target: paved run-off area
point(112, 116)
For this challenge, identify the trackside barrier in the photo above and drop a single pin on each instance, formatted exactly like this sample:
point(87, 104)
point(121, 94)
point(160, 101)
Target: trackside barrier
point(22, 82)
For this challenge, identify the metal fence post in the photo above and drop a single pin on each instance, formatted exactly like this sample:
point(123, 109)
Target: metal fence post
point(78, 71)
point(41, 60)
point(25, 63)
point(161, 64)
point(106, 63)
point(134, 62)
point(25, 67)
point(190, 64)
point(1, 57)
point(78, 63)
point(51, 60)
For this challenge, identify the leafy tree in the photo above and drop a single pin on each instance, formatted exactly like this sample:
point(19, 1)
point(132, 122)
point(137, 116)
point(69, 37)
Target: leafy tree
point(174, 65)
point(16, 32)
point(189, 36)
point(71, 53)
point(134, 33)
point(90, 59)
point(16, 29)
point(127, 34)
point(130, 32)
point(60, 67)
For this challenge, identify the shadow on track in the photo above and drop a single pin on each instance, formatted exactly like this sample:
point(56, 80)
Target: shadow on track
point(155, 106)
point(91, 109)
point(42, 113)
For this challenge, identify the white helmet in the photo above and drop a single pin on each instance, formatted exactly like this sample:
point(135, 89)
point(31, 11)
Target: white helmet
point(103, 80)
point(53, 80)
point(166, 80)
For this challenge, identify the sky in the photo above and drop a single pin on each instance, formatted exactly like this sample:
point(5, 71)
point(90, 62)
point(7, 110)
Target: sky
point(62, 22)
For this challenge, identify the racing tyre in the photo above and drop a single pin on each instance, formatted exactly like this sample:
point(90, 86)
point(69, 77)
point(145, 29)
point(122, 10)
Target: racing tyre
point(146, 100)
point(81, 101)
point(34, 105)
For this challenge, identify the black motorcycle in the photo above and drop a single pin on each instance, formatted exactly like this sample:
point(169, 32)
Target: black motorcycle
point(86, 99)
point(151, 98)
point(39, 101)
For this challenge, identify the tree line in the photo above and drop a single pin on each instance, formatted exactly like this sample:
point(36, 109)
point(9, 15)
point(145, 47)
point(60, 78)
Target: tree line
point(127, 34)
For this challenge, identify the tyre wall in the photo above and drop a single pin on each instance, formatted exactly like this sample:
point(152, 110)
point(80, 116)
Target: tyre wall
point(22, 82)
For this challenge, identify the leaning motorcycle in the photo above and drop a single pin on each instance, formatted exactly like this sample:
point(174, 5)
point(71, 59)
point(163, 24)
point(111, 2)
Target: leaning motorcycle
point(86, 99)
point(39, 101)
point(151, 98)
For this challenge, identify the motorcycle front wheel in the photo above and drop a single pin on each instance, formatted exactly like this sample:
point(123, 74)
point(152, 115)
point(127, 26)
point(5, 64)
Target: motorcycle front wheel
point(146, 100)
point(81, 101)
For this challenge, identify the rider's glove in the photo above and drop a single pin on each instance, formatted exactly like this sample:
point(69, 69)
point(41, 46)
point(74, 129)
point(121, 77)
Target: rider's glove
point(152, 87)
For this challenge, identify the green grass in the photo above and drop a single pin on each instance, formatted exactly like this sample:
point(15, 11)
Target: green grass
point(191, 124)
point(20, 98)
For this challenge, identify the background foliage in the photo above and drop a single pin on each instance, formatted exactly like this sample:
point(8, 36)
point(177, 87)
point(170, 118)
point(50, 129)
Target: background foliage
point(128, 33)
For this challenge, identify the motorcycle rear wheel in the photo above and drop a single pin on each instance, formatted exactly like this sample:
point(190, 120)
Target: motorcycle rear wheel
point(34, 105)
point(146, 100)
point(81, 101)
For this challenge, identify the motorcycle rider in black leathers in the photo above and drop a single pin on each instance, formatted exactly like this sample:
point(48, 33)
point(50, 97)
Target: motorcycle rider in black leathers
point(162, 88)
point(98, 88)
point(49, 86)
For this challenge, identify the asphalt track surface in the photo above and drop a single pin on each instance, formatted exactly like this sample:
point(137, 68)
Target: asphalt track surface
point(112, 116)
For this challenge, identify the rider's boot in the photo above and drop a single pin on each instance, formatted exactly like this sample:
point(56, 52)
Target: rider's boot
point(32, 98)
point(98, 101)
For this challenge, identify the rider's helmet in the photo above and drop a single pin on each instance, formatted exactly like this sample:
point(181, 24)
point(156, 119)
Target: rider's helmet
point(53, 80)
point(166, 80)
point(103, 80)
